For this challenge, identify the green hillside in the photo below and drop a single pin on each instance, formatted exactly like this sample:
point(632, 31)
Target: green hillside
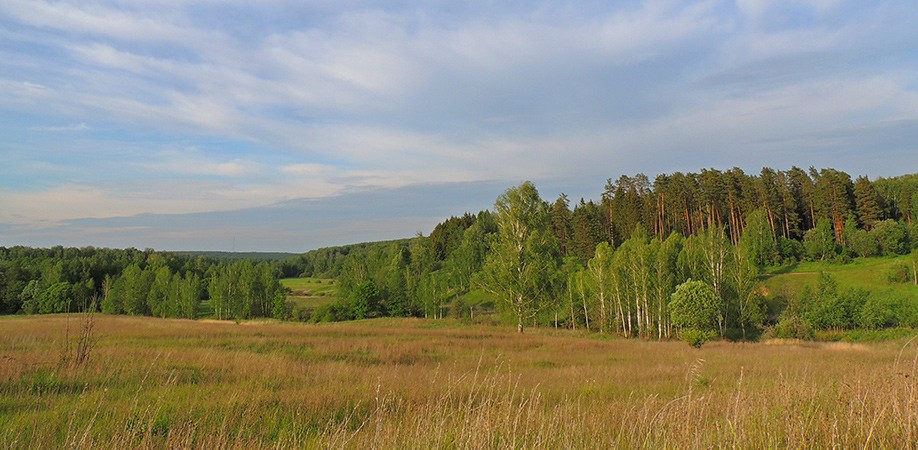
point(881, 276)
point(307, 294)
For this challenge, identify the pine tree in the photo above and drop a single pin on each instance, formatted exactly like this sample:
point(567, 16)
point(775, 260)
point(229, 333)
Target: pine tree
point(869, 208)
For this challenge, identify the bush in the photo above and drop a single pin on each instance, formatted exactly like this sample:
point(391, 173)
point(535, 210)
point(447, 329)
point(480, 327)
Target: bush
point(696, 338)
point(333, 312)
point(793, 328)
point(898, 274)
point(301, 314)
point(864, 244)
point(694, 305)
point(877, 313)
point(366, 301)
point(819, 242)
point(791, 250)
point(892, 237)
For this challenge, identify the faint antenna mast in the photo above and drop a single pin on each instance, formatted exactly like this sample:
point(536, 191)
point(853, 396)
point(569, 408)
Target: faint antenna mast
point(234, 243)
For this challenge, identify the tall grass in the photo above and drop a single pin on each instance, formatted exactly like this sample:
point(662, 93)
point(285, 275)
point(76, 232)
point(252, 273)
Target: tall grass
point(155, 383)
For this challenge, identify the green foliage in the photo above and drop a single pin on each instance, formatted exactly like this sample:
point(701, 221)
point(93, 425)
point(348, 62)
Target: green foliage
point(366, 301)
point(899, 273)
point(29, 297)
point(56, 298)
point(819, 242)
point(758, 241)
point(695, 306)
point(696, 338)
point(791, 250)
point(524, 257)
point(793, 327)
point(280, 308)
point(863, 243)
point(892, 237)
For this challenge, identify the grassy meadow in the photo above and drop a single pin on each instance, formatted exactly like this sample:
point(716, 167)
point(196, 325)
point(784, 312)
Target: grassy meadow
point(411, 383)
point(307, 294)
point(872, 274)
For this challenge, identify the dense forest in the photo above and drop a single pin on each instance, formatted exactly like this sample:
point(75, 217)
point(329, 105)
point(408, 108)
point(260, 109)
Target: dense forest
point(614, 265)
point(136, 282)
point(681, 252)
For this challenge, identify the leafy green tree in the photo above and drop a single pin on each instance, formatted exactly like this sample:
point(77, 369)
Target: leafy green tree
point(743, 277)
point(280, 309)
point(366, 301)
point(108, 303)
point(192, 291)
point(758, 240)
point(469, 257)
point(716, 251)
point(892, 237)
point(29, 297)
point(819, 242)
point(663, 273)
point(599, 271)
point(158, 295)
point(524, 255)
point(695, 308)
point(863, 243)
point(56, 298)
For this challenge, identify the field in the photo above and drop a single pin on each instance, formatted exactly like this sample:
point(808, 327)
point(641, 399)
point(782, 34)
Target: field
point(865, 273)
point(411, 383)
point(310, 293)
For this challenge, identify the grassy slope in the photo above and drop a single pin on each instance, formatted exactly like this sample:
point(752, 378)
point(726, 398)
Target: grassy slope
point(400, 383)
point(310, 293)
point(864, 273)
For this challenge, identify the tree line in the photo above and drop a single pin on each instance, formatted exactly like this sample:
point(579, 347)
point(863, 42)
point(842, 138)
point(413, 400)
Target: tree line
point(613, 266)
point(134, 282)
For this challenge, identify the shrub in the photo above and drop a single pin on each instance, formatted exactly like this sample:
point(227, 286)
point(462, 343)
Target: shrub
point(366, 301)
point(819, 242)
point(696, 338)
point(695, 305)
point(791, 250)
point(877, 313)
point(793, 328)
point(864, 244)
point(898, 274)
point(892, 237)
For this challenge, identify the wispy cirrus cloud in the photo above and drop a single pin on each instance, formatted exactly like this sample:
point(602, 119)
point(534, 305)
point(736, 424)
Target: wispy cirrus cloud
point(61, 128)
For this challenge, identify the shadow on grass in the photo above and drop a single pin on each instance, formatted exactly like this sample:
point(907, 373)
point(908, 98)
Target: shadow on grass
point(785, 269)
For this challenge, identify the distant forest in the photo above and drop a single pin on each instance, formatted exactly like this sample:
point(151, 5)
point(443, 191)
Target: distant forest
point(135, 282)
point(615, 265)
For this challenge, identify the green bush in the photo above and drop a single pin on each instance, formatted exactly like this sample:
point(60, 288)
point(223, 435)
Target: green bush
point(793, 328)
point(819, 242)
point(696, 338)
point(791, 250)
point(892, 237)
point(864, 244)
point(898, 273)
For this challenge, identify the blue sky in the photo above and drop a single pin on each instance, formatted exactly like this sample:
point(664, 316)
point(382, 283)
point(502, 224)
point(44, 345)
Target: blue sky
point(289, 125)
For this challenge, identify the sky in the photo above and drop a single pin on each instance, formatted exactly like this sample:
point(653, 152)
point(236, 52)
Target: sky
point(289, 125)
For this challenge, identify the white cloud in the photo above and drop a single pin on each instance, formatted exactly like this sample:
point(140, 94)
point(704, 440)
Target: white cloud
point(61, 128)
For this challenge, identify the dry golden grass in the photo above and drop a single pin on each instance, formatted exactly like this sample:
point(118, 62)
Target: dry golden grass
point(153, 383)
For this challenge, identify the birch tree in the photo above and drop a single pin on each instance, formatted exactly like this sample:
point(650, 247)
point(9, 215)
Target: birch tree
point(524, 255)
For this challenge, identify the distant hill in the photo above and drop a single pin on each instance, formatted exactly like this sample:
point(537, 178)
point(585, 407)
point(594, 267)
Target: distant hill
point(232, 256)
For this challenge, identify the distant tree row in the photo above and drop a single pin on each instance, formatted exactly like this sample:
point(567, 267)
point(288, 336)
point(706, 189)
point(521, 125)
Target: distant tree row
point(136, 282)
